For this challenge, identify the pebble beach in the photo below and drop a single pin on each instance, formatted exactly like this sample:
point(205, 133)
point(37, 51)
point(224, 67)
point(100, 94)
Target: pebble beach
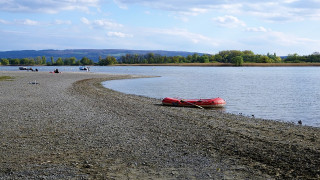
point(68, 126)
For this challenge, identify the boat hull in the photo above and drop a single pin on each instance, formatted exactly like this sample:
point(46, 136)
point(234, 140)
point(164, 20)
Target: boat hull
point(83, 68)
point(205, 103)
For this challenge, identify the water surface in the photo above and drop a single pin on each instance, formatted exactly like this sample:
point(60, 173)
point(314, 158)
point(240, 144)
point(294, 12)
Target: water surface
point(279, 93)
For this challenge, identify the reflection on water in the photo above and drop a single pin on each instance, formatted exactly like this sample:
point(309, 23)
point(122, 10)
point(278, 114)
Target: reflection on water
point(279, 93)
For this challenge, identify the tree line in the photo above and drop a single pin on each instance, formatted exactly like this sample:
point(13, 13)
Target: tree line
point(295, 58)
point(231, 56)
point(235, 57)
point(72, 61)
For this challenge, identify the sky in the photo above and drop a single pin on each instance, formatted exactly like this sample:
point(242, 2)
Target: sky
point(206, 26)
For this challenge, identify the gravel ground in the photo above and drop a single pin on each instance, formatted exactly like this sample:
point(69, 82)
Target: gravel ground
point(67, 126)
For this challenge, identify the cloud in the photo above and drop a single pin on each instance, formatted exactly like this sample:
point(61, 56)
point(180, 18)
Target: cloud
point(120, 4)
point(305, 4)
point(118, 34)
point(284, 11)
point(189, 8)
point(279, 41)
point(30, 22)
point(271, 10)
point(171, 4)
point(85, 21)
point(27, 22)
point(257, 29)
point(185, 35)
point(194, 11)
point(46, 6)
point(101, 23)
point(229, 21)
point(288, 39)
point(62, 22)
point(184, 15)
point(3, 21)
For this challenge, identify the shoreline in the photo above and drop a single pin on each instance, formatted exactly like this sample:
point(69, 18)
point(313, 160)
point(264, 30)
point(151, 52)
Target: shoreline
point(229, 64)
point(205, 65)
point(70, 126)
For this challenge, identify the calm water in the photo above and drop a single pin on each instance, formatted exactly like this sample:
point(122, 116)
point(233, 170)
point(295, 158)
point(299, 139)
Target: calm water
point(279, 93)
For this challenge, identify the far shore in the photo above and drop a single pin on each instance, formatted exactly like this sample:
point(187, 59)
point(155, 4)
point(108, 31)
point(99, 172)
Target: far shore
point(208, 64)
point(227, 64)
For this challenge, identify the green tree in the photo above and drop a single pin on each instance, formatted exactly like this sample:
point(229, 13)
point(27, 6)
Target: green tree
point(189, 59)
point(315, 57)
point(249, 58)
point(109, 60)
point(4, 62)
point(182, 59)
point(248, 52)
point(52, 60)
point(237, 61)
point(44, 60)
point(59, 62)
point(175, 59)
point(295, 58)
point(78, 63)
point(195, 57)
point(218, 58)
point(38, 60)
point(70, 61)
point(265, 59)
point(24, 61)
point(66, 61)
point(204, 59)
point(15, 61)
point(31, 61)
point(86, 61)
point(73, 60)
point(277, 59)
point(212, 58)
point(150, 58)
point(225, 56)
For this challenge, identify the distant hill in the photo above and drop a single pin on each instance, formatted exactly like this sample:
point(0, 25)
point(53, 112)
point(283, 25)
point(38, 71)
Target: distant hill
point(89, 53)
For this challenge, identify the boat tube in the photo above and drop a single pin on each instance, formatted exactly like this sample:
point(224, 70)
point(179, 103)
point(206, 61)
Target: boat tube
point(205, 103)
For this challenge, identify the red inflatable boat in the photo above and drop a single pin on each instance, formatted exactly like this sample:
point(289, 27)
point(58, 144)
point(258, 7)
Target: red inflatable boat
point(205, 103)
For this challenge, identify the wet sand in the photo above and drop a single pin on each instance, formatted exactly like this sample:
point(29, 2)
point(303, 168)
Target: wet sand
point(67, 126)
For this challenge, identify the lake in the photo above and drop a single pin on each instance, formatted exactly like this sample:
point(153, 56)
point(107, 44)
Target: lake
point(279, 93)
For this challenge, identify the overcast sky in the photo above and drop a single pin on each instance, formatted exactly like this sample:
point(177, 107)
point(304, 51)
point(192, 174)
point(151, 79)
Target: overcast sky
point(208, 26)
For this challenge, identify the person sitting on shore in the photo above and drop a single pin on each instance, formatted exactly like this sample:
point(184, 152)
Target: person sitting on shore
point(56, 71)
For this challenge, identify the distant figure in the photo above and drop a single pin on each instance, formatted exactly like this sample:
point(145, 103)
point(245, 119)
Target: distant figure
point(299, 122)
point(36, 70)
point(56, 71)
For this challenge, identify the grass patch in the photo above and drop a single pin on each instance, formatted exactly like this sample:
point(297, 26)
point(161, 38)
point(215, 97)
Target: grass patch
point(6, 78)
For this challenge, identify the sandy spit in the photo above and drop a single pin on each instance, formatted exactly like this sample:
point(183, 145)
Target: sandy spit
point(67, 126)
